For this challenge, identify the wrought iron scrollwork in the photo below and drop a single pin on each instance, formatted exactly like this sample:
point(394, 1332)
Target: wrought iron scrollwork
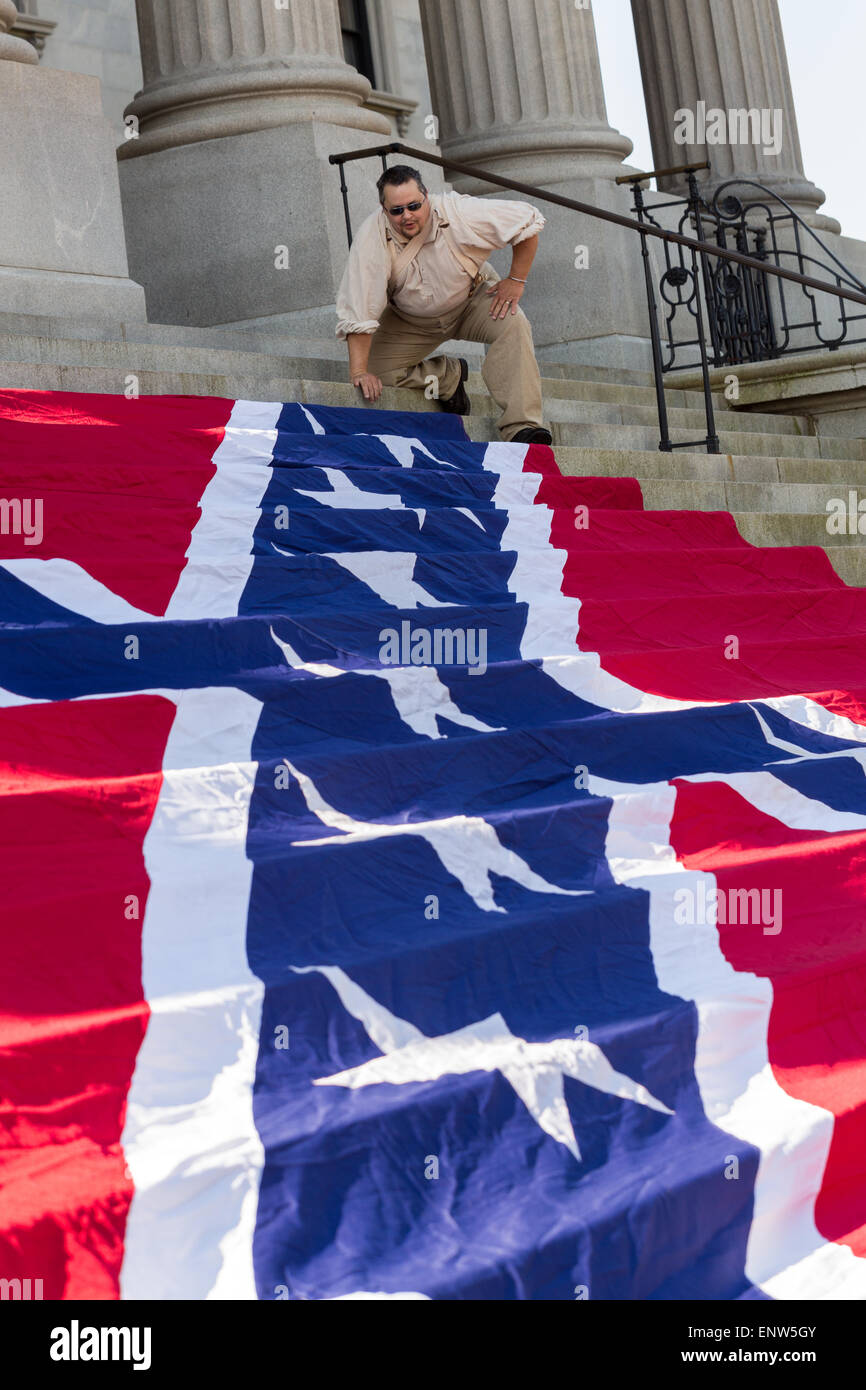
point(750, 316)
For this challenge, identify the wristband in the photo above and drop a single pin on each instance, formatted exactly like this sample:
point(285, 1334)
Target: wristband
point(518, 279)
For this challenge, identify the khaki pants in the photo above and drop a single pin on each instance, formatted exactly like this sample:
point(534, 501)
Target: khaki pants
point(398, 356)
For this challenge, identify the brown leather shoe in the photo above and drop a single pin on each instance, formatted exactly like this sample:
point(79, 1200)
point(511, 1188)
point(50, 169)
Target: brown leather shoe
point(459, 403)
point(535, 435)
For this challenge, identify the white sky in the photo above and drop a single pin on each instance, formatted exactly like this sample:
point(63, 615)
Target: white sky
point(825, 44)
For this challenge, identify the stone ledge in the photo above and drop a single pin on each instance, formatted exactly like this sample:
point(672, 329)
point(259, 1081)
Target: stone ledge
point(806, 376)
point(829, 388)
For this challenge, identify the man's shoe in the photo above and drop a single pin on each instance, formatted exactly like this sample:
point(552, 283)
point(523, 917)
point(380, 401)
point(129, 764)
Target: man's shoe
point(459, 403)
point(534, 435)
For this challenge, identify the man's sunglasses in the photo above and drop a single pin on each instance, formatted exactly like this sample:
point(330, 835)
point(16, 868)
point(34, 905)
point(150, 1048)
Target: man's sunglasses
point(409, 207)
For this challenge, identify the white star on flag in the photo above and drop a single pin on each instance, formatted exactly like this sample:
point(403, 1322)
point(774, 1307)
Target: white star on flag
point(344, 493)
point(535, 1070)
point(467, 846)
point(419, 695)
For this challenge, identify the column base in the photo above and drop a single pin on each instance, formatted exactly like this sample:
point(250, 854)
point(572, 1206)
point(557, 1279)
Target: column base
point(206, 221)
point(62, 247)
point(58, 294)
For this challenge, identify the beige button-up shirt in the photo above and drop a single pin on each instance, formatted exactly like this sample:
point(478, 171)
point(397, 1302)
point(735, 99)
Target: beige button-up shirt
point(435, 282)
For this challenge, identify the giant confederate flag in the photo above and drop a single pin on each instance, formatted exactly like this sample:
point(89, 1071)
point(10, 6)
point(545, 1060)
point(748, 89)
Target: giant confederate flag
point(424, 875)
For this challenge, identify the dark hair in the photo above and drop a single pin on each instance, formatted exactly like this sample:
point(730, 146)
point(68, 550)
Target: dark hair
point(400, 173)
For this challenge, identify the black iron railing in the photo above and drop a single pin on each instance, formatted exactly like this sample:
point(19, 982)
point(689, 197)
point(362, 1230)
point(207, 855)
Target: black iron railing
point(693, 283)
point(750, 317)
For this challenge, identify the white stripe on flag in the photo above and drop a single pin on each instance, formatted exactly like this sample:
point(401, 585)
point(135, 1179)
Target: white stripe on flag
point(243, 463)
point(190, 1141)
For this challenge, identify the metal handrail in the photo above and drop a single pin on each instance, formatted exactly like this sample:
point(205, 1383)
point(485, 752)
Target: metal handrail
point(644, 230)
point(662, 173)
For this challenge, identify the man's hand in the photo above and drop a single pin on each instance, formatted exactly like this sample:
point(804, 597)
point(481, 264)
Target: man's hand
point(508, 295)
point(370, 385)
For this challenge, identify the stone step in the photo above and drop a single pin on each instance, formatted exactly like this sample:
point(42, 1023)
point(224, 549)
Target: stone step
point(578, 384)
point(575, 410)
point(565, 411)
point(213, 353)
point(624, 375)
point(727, 496)
point(597, 458)
point(121, 358)
point(273, 341)
point(775, 502)
point(268, 341)
point(742, 442)
point(597, 447)
point(97, 330)
point(137, 347)
point(565, 401)
point(849, 563)
point(181, 372)
point(49, 363)
point(751, 458)
point(581, 388)
point(792, 528)
point(748, 468)
point(41, 376)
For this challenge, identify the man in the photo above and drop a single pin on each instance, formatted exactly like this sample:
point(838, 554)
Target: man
point(417, 276)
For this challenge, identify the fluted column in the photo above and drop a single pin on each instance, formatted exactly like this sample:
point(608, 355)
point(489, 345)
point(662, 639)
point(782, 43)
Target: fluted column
point(729, 55)
point(214, 68)
point(517, 87)
point(15, 50)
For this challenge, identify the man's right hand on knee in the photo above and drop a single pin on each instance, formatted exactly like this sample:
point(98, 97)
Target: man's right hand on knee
point(370, 385)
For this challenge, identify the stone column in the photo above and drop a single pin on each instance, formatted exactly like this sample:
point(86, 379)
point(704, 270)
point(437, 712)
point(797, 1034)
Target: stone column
point(226, 158)
point(729, 55)
point(228, 67)
point(14, 49)
point(62, 248)
point(517, 89)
